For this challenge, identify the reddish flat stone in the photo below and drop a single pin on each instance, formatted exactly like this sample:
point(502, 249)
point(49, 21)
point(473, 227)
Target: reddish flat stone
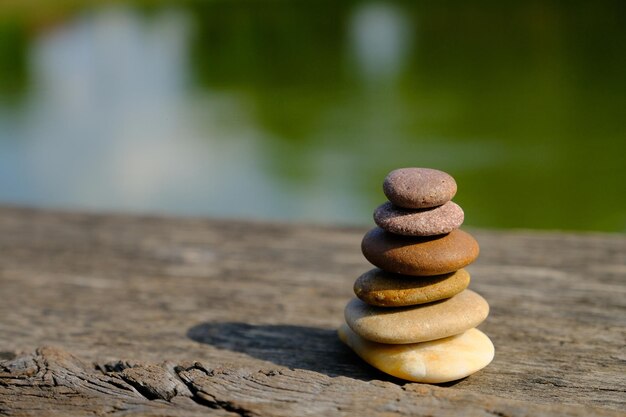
point(419, 222)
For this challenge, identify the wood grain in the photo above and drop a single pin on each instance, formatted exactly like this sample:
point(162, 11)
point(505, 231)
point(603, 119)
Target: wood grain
point(119, 314)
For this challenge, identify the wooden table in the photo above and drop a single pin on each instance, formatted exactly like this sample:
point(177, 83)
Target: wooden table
point(120, 314)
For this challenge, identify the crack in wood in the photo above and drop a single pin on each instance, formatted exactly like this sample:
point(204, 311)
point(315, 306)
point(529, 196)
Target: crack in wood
point(208, 401)
point(64, 385)
point(55, 380)
point(497, 413)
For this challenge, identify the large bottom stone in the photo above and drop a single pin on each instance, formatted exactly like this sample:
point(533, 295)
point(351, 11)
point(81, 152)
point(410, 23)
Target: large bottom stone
point(437, 361)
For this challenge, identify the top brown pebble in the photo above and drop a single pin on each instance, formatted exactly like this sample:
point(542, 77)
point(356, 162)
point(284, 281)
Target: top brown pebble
point(415, 188)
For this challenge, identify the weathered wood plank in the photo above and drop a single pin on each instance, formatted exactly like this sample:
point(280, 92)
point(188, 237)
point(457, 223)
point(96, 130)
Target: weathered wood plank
point(243, 297)
point(51, 381)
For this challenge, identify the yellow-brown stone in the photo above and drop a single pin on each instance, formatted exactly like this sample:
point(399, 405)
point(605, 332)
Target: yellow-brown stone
point(386, 289)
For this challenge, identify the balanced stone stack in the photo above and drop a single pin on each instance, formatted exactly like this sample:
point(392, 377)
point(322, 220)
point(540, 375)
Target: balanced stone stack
point(414, 317)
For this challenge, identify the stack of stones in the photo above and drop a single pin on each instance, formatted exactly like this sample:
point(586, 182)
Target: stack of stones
point(414, 318)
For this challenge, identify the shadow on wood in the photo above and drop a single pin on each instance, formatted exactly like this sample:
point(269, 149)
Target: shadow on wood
point(297, 347)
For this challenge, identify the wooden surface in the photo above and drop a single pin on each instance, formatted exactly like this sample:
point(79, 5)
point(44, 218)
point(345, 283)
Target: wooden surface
point(117, 315)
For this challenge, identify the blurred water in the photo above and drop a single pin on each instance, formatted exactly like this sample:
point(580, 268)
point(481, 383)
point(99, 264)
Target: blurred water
point(297, 111)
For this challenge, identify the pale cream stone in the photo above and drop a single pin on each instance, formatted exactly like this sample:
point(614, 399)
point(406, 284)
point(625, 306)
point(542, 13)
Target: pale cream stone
point(437, 361)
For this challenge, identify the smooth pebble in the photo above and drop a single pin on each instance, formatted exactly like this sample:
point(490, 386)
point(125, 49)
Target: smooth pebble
point(434, 362)
point(386, 289)
point(418, 323)
point(420, 222)
point(419, 255)
point(419, 187)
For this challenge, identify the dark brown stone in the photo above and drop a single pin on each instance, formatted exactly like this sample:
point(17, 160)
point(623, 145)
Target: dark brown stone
point(413, 255)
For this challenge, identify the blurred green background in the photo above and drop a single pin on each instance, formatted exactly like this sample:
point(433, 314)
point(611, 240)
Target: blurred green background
point(297, 110)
